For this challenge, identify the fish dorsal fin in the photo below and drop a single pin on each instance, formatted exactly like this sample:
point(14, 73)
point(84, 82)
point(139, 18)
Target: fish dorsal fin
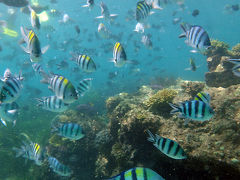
point(7, 73)
point(204, 97)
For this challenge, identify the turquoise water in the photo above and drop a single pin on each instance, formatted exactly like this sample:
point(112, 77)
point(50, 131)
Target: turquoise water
point(168, 59)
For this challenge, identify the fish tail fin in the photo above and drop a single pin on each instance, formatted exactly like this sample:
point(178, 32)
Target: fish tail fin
point(74, 56)
point(54, 125)
point(45, 76)
point(234, 61)
point(99, 17)
point(175, 108)
point(3, 122)
point(155, 5)
point(40, 101)
point(19, 152)
point(235, 70)
point(151, 137)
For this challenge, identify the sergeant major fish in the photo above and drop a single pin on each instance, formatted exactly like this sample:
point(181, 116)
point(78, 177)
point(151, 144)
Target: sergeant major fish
point(147, 41)
point(119, 55)
point(85, 62)
point(33, 45)
point(193, 110)
point(105, 12)
point(196, 36)
point(84, 86)
point(144, 8)
point(137, 173)
point(8, 113)
point(90, 4)
point(71, 131)
point(10, 87)
point(193, 66)
point(61, 86)
point(34, 18)
point(167, 146)
point(58, 167)
point(103, 31)
point(31, 151)
point(37, 68)
point(236, 68)
point(52, 103)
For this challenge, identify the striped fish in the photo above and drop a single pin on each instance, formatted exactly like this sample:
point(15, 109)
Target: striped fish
point(105, 12)
point(31, 151)
point(71, 131)
point(90, 4)
point(52, 103)
point(34, 18)
point(84, 86)
point(119, 55)
point(196, 36)
point(8, 113)
point(85, 62)
point(37, 68)
point(193, 110)
point(167, 146)
point(10, 87)
point(203, 96)
point(137, 173)
point(236, 68)
point(143, 11)
point(61, 86)
point(33, 45)
point(58, 167)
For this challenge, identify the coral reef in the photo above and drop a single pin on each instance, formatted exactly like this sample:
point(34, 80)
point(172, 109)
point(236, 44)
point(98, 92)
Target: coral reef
point(218, 48)
point(220, 73)
point(159, 102)
point(212, 147)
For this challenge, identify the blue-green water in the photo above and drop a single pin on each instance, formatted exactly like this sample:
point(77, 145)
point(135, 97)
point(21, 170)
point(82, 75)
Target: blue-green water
point(168, 59)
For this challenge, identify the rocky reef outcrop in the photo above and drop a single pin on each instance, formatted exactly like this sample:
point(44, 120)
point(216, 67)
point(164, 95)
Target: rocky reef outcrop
point(220, 70)
point(212, 146)
point(120, 143)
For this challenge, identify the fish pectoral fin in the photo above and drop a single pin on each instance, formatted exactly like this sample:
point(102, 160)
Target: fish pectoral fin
point(25, 49)
point(12, 111)
point(99, 17)
point(151, 12)
point(187, 69)
point(182, 35)
point(4, 122)
point(50, 88)
point(86, 5)
point(186, 122)
point(113, 15)
point(44, 49)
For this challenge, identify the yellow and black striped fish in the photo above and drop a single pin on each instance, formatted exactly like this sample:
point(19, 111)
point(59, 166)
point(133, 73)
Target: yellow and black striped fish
point(137, 173)
point(33, 45)
point(119, 55)
point(85, 62)
point(34, 18)
point(143, 11)
point(167, 146)
point(61, 86)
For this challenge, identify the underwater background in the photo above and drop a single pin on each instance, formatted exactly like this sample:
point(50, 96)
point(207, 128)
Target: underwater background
point(124, 102)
